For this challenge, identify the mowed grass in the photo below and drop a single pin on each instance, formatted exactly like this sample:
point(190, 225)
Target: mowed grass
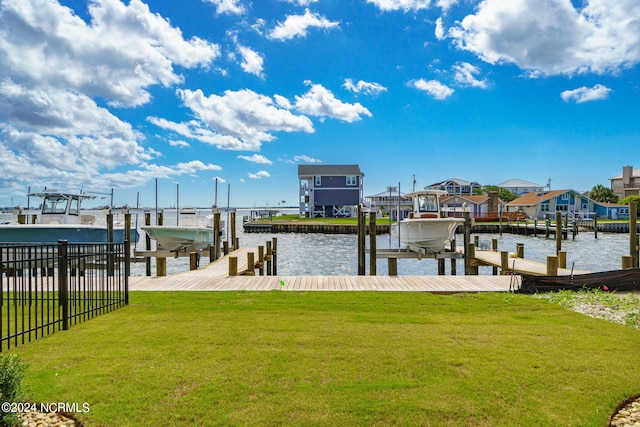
point(337, 358)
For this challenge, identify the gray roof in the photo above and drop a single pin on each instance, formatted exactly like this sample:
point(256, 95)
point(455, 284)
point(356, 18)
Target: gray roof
point(634, 174)
point(313, 170)
point(519, 183)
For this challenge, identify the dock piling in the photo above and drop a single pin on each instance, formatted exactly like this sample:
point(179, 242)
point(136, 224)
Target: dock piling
point(552, 265)
point(372, 244)
point(393, 265)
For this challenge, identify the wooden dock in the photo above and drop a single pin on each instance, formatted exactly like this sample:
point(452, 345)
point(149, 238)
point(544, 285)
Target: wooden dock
point(214, 277)
point(436, 284)
point(520, 265)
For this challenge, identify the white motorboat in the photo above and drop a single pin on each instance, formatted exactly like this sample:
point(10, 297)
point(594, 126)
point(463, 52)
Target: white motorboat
point(61, 218)
point(192, 231)
point(426, 228)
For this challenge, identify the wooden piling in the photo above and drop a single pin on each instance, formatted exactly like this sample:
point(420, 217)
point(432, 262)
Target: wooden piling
point(161, 262)
point(261, 260)
point(627, 262)
point(504, 262)
point(267, 258)
point(393, 265)
point(147, 259)
point(372, 244)
point(193, 260)
point(562, 259)
point(595, 226)
point(454, 266)
point(251, 265)
point(552, 265)
point(233, 266)
point(494, 248)
point(558, 232)
point(274, 256)
point(361, 243)
point(225, 247)
point(232, 227)
point(473, 268)
point(467, 242)
point(213, 255)
point(633, 232)
point(519, 250)
point(441, 267)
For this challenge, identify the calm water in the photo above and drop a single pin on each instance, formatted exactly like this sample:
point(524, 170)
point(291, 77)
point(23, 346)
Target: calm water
point(333, 255)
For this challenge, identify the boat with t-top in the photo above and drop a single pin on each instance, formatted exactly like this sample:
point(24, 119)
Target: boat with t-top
point(192, 232)
point(61, 218)
point(426, 228)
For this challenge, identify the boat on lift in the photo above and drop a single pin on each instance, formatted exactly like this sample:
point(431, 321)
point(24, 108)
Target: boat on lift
point(426, 229)
point(61, 218)
point(192, 232)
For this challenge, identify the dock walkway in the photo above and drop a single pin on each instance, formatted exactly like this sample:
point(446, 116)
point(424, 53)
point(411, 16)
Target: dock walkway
point(214, 277)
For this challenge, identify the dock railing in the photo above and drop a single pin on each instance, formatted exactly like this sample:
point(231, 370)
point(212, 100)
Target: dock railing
point(49, 287)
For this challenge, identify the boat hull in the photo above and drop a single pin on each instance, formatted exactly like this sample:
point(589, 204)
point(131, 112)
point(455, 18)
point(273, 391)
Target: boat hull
point(431, 234)
point(180, 238)
point(52, 233)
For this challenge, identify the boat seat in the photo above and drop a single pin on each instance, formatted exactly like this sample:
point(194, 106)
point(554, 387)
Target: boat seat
point(428, 215)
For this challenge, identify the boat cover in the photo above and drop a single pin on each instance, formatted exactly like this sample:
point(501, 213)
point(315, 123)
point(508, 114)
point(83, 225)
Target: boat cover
point(616, 280)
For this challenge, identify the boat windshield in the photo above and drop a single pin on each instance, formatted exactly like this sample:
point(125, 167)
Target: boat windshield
point(56, 205)
point(428, 203)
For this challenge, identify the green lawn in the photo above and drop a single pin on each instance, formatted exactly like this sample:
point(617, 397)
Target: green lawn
point(337, 358)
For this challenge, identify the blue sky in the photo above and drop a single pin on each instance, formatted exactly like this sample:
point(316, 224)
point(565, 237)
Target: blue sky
point(116, 94)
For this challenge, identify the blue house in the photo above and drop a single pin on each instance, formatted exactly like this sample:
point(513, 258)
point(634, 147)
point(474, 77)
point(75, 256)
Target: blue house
point(330, 190)
point(569, 202)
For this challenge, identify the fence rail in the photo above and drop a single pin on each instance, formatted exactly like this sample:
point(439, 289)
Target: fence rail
point(49, 287)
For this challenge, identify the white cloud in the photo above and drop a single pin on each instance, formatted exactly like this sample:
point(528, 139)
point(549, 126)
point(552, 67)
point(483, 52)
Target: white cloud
point(259, 175)
point(257, 158)
point(43, 44)
point(464, 73)
point(363, 87)
point(319, 101)
point(433, 88)
point(301, 2)
point(252, 62)
point(440, 32)
point(306, 159)
point(178, 143)
point(243, 116)
point(298, 25)
point(405, 5)
point(585, 94)
point(229, 7)
point(446, 4)
point(551, 37)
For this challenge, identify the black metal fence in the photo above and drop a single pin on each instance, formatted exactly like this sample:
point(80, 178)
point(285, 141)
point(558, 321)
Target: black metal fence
point(49, 287)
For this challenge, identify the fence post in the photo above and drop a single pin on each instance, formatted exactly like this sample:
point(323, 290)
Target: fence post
point(63, 283)
point(127, 269)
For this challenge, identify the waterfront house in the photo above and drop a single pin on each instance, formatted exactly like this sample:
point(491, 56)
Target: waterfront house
point(611, 210)
point(481, 207)
point(521, 187)
point(455, 186)
point(626, 184)
point(330, 190)
point(387, 203)
point(538, 205)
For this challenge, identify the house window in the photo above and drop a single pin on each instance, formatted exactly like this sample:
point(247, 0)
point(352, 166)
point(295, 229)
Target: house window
point(624, 210)
point(318, 180)
point(352, 180)
point(563, 208)
point(544, 207)
point(565, 196)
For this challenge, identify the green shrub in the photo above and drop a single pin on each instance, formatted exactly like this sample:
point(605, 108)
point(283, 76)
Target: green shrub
point(11, 374)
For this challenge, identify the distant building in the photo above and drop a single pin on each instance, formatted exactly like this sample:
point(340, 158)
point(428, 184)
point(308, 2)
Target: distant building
point(481, 207)
point(330, 190)
point(387, 203)
point(455, 186)
point(520, 187)
point(538, 205)
point(626, 184)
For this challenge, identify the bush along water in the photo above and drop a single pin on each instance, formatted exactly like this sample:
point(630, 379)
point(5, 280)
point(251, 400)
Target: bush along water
point(11, 373)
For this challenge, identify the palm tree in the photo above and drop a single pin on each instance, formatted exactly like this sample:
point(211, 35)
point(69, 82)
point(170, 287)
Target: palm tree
point(603, 194)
